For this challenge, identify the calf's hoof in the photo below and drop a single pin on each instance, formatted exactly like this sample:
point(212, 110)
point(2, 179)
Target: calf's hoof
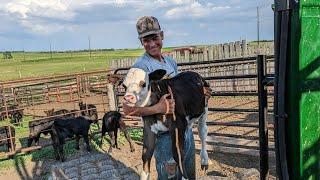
point(204, 167)
point(57, 158)
point(88, 148)
point(110, 150)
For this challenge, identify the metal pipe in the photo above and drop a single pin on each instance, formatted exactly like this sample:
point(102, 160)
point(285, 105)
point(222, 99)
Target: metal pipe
point(263, 124)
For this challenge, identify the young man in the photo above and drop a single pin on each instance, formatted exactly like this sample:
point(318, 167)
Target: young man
point(151, 37)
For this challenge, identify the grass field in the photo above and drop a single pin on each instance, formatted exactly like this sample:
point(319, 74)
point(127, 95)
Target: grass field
point(38, 64)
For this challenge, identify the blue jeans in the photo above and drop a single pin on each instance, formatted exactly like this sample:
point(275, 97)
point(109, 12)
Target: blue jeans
point(163, 153)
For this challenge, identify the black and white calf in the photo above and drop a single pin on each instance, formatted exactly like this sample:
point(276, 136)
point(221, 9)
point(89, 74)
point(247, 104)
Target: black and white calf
point(144, 89)
point(111, 122)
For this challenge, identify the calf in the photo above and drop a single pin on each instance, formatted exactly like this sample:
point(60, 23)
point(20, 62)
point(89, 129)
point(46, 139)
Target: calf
point(111, 122)
point(190, 106)
point(43, 126)
point(5, 133)
point(63, 113)
point(89, 110)
point(38, 127)
point(14, 113)
point(68, 128)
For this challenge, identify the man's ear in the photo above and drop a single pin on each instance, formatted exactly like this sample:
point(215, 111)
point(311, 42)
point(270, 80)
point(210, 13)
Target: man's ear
point(161, 35)
point(157, 75)
point(115, 79)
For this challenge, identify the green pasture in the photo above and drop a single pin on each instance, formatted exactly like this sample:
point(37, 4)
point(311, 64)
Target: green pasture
point(39, 64)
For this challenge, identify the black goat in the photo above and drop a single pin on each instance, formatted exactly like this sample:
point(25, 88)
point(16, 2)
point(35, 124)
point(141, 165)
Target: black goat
point(111, 122)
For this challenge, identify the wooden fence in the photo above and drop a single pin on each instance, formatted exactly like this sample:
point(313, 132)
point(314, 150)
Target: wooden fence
point(212, 52)
point(59, 89)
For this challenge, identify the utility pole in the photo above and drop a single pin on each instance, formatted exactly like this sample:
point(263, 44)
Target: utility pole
point(258, 30)
point(89, 45)
point(50, 50)
point(24, 56)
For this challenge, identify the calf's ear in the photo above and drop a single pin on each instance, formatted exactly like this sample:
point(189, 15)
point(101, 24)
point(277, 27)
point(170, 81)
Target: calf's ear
point(115, 79)
point(157, 75)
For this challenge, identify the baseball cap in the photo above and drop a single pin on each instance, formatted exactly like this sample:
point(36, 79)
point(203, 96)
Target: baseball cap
point(148, 25)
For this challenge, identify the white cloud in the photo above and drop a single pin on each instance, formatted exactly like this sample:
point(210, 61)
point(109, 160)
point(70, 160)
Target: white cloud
point(29, 8)
point(184, 21)
point(194, 10)
point(203, 25)
point(171, 33)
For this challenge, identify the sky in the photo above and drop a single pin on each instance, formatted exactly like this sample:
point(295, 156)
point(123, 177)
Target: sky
point(34, 25)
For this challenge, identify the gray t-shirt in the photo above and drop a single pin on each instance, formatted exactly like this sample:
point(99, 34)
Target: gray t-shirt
point(149, 64)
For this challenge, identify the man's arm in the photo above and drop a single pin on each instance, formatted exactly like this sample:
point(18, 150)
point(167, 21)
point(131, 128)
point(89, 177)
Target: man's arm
point(164, 106)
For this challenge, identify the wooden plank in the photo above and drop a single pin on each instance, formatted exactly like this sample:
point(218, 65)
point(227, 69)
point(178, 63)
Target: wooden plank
point(187, 55)
point(205, 54)
point(226, 51)
point(210, 52)
point(244, 48)
point(231, 49)
point(238, 49)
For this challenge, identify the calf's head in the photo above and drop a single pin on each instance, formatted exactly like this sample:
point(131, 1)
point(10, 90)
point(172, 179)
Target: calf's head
point(49, 112)
point(138, 86)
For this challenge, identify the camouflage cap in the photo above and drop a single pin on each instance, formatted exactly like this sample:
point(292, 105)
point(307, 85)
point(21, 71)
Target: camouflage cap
point(147, 25)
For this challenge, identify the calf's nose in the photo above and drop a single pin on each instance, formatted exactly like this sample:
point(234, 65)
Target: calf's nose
point(130, 98)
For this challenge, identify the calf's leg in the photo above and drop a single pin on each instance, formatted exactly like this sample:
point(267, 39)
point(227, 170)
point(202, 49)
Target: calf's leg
point(86, 140)
point(77, 142)
point(149, 139)
point(112, 141)
point(126, 134)
point(203, 132)
point(178, 138)
point(103, 132)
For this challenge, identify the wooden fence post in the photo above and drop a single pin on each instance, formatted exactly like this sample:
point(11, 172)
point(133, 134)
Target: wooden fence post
point(220, 51)
point(205, 54)
point(113, 104)
point(178, 56)
point(231, 48)
point(215, 52)
point(210, 53)
point(238, 49)
point(226, 51)
point(187, 55)
point(244, 48)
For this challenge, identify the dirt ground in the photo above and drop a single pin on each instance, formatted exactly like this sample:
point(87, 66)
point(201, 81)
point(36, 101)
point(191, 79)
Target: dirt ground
point(222, 164)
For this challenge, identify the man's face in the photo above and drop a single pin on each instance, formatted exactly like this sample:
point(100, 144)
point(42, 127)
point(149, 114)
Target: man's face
point(153, 44)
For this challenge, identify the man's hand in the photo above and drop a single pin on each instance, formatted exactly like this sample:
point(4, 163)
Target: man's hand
point(165, 106)
point(128, 110)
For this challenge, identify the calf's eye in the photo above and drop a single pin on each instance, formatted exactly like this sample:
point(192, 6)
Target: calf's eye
point(142, 84)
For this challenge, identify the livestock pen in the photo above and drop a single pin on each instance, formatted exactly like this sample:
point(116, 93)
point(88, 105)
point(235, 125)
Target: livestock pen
point(233, 120)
